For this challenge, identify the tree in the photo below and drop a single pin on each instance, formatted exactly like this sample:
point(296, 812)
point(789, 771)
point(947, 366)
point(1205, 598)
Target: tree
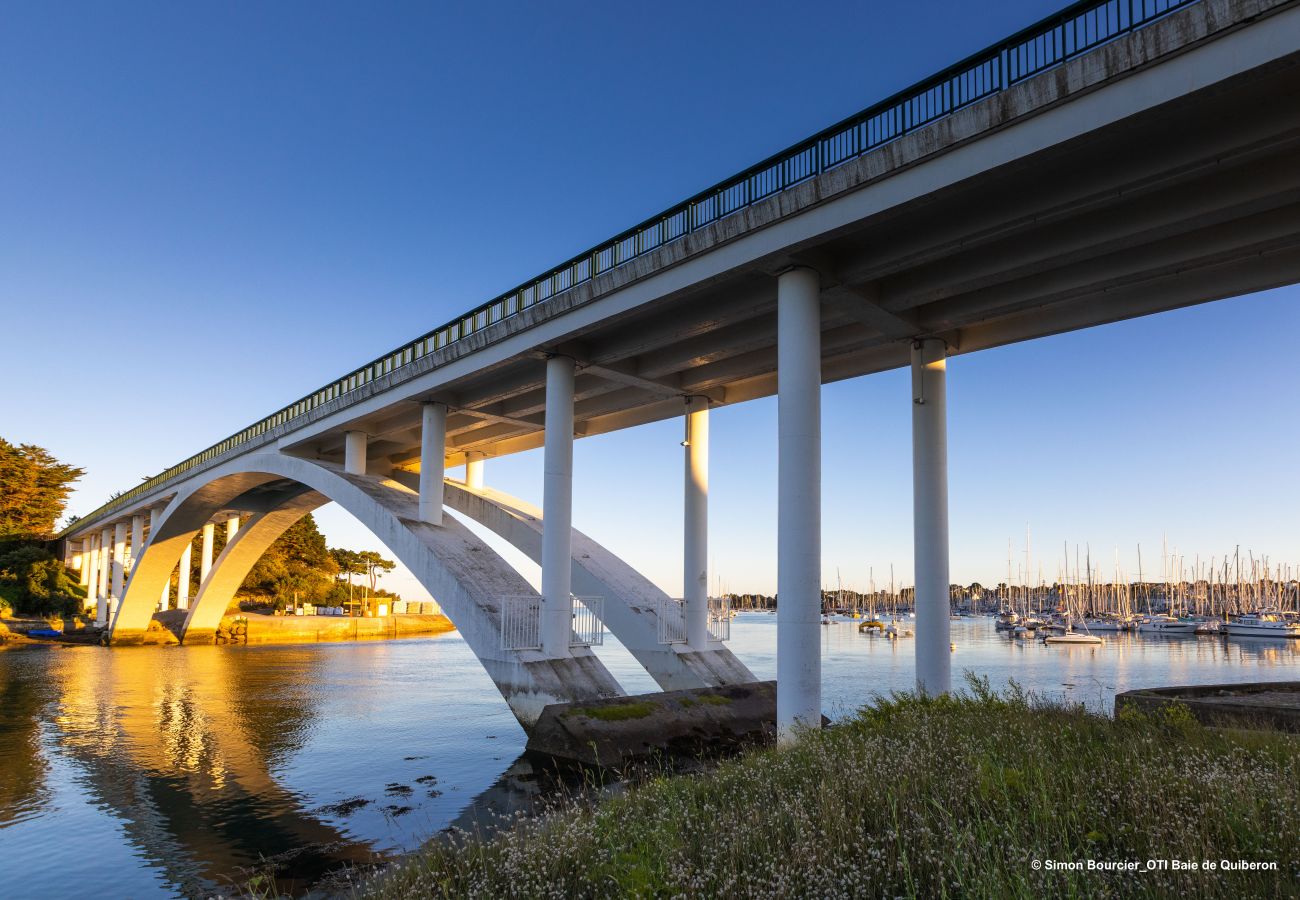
point(374, 565)
point(349, 563)
point(32, 580)
point(34, 488)
point(297, 564)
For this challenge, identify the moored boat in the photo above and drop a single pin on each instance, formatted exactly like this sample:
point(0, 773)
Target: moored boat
point(1265, 623)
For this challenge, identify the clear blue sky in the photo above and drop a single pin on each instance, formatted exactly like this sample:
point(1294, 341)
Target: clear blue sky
point(207, 210)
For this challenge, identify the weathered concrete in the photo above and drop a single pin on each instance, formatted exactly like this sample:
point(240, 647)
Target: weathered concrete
point(632, 601)
point(691, 723)
point(457, 568)
point(1266, 704)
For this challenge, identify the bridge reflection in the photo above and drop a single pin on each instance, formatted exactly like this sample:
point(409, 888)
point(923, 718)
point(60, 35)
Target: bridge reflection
point(167, 743)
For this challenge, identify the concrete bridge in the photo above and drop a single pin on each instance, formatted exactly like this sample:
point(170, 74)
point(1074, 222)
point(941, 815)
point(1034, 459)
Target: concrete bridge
point(1118, 159)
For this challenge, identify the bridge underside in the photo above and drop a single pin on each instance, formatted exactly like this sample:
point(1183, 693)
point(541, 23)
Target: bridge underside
point(1196, 200)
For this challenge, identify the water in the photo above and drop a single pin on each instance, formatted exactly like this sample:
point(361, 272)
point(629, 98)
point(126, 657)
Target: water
point(167, 771)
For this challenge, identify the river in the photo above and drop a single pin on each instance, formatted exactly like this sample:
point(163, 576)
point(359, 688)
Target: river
point(170, 771)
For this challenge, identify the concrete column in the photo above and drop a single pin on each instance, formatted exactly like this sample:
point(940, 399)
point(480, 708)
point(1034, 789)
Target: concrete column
point(84, 579)
point(119, 567)
point(798, 553)
point(232, 528)
point(474, 469)
point(354, 452)
point(557, 508)
point(155, 515)
point(185, 569)
point(101, 595)
point(695, 544)
point(92, 575)
point(205, 558)
point(137, 539)
point(433, 460)
point(930, 515)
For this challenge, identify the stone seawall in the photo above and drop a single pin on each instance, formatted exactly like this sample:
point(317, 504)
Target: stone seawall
point(310, 629)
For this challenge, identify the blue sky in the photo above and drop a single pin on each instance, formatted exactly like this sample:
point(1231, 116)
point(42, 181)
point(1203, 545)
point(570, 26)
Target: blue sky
point(209, 210)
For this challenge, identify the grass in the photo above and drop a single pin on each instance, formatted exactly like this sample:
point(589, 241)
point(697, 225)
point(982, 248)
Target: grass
point(915, 797)
point(617, 713)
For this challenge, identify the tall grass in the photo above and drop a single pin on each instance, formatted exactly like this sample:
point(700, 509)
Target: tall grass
point(915, 797)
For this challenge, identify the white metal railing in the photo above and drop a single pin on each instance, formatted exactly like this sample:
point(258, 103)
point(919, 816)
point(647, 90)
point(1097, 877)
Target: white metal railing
point(719, 619)
point(672, 621)
point(588, 622)
point(521, 623)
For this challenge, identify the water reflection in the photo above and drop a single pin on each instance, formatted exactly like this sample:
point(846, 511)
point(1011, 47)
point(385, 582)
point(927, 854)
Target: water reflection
point(171, 769)
point(179, 744)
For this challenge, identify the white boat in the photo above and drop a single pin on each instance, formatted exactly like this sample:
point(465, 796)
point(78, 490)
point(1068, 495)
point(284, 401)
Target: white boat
point(1105, 625)
point(1072, 637)
point(1265, 623)
point(1166, 625)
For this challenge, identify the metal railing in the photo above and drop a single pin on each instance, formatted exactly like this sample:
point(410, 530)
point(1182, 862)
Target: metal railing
point(672, 621)
point(1048, 43)
point(719, 618)
point(588, 622)
point(521, 623)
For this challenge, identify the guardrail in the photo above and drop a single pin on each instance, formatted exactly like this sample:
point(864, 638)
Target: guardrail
point(588, 622)
point(1048, 43)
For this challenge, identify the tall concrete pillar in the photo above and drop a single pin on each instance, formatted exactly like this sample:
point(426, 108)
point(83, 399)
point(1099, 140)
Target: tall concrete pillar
point(930, 515)
point(354, 452)
point(137, 539)
point(205, 557)
point(92, 576)
point(695, 545)
point(433, 465)
point(101, 596)
point(155, 515)
point(474, 469)
point(184, 571)
point(119, 567)
point(798, 553)
point(84, 573)
point(232, 528)
point(557, 508)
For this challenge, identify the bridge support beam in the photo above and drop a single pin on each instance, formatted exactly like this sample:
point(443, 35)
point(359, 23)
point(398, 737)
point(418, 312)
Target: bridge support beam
point(930, 515)
point(205, 557)
point(474, 469)
point(137, 538)
point(695, 544)
point(155, 514)
point(83, 576)
point(433, 454)
point(798, 642)
point(557, 509)
point(185, 569)
point(118, 567)
point(354, 452)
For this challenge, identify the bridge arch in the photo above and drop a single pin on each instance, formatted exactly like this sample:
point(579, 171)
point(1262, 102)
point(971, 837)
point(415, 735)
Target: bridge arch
point(450, 561)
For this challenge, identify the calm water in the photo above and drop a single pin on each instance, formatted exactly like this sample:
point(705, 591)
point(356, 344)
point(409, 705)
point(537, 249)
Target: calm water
point(164, 771)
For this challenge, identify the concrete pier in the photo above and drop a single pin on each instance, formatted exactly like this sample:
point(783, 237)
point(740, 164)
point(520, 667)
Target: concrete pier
point(930, 515)
point(799, 484)
point(557, 506)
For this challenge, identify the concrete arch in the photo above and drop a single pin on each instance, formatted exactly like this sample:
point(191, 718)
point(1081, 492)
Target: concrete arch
point(453, 564)
point(632, 601)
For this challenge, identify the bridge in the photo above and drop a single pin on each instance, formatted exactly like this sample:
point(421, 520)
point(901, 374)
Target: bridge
point(1118, 159)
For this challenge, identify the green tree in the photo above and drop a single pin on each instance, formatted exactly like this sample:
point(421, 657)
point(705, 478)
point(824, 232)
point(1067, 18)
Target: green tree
point(375, 565)
point(297, 564)
point(33, 581)
point(34, 488)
